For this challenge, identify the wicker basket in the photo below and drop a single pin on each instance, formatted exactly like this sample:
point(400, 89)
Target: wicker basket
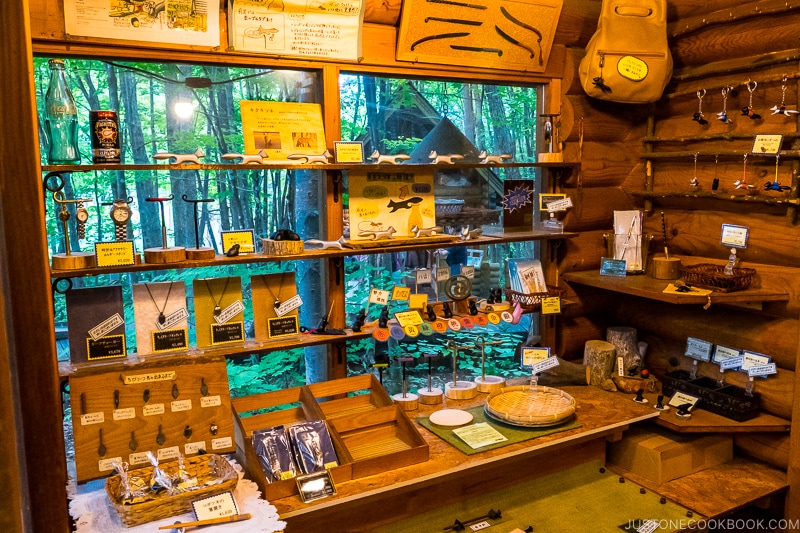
point(214, 475)
point(448, 207)
point(533, 301)
point(523, 406)
point(714, 277)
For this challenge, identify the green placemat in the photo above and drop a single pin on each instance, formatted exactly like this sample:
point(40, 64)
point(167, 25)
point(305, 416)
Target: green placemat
point(514, 434)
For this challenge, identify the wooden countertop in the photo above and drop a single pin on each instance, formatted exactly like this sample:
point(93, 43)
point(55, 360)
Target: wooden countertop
point(600, 414)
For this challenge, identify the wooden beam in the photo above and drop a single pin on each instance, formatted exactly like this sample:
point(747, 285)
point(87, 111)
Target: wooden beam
point(31, 363)
point(734, 13)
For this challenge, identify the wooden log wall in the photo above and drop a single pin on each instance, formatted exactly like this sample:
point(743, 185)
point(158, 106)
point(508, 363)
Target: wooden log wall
point(713, 45)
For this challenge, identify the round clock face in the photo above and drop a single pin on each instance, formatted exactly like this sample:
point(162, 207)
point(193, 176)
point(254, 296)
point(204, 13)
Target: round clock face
point(82, 215)
point(120, 214)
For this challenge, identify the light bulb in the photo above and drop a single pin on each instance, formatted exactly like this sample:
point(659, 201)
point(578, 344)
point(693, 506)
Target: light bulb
point(184, 109)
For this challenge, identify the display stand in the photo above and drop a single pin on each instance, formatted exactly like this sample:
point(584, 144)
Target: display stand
point(459, 390)
point(430, 395)
point(197, 253)
point(406, 400)
point(69, 260)
point(484, 383)
point(165, 254)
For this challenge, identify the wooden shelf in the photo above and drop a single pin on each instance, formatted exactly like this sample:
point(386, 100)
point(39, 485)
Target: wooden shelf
point(300, 166)
point(250, 347)
point(387, 247)
point(718, 195)
point(719, 490)
point(646, 287)
point(703, 421)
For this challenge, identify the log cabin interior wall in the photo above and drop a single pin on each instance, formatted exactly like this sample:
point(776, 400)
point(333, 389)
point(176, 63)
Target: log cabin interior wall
point(713, 45)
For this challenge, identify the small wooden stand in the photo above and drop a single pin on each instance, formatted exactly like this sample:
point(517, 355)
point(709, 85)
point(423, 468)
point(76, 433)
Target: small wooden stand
point(73, 261)
point(175, 254)
point(200, 254)
point(430, 395)
point(460, 390)
point(406, 400)
point(666, 268)
point(490, 384)
point(600, 357)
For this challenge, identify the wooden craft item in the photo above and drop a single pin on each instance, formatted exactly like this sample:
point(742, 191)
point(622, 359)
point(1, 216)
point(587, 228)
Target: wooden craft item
point(172, 254)
point(407, 401)
point(528, 406)
point(625, 341)
point(205, 302)
point(451, 418)
point(73, 261)
point(489, 384)
point(460, 390)
point(167, 297)
point(265, 289)
point(86, 309)
point(633, 384)
point(565, 373)
point(200, 254)
point(666, 267)
point(178, 404)
point(600, 358)
point(432, 396)
point(480, 33)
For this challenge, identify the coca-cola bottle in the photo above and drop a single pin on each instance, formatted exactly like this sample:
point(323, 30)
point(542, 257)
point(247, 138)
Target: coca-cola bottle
point(61, 118)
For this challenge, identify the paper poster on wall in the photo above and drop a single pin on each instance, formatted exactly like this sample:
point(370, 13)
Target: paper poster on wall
point(281, 129)
point(390, 203)
point(318, 29)
point(194, 22)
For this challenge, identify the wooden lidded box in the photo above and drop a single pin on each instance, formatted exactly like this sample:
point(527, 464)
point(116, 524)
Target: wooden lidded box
point(370, 434)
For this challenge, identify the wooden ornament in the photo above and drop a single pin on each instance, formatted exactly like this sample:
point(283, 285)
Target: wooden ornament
point(600, 357)
point(625, 341)
point(460, 390)
point(407, 401)
point(432, 396)
point(73, 261)
point(200, 254)
point(173, 254)
point(489, 384)
point(666, 267)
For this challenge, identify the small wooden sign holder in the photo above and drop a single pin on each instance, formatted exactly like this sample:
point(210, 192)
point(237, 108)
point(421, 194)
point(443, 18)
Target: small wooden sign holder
point(198, 253)
point(165, 254)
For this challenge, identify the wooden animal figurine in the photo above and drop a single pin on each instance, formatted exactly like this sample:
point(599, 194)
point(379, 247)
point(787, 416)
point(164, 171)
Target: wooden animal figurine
point(321, 159)
point(388, 158)
point(180, 159)
point(467, 235)
point(248, 159)
point(325, 245)
point(487, 159)
point(425, 232)
point(448, 159)
point(378, 234)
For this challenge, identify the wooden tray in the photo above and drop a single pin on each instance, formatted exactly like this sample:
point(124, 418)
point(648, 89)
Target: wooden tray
point(522, 406)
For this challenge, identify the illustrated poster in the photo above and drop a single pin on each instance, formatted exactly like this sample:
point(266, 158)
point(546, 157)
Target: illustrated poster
point(317, 29)
point(390, 201)
point(191, 22)
point(282, 129)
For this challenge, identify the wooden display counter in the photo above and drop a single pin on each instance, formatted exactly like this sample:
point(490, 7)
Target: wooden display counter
point(450, 476)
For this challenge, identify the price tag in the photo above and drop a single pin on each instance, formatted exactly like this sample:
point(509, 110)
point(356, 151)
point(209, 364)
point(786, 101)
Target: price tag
point(92, 418)
point(762, 370)
point(378, 296)
point(753, 359)
point(191, 448)
point(210, 401)
point(244, 239)
point(289, 305)
point(534, 355)
point(734, 236)
point(106, 347)
point(221, 443)
point(551, 306)
point(106, 326)
point(408, 318)
point(217, 506)
point(166, 454)
point(424, 276)
point(698, 349)
point(107, 465)
point(731, 363)
point(169, 339)
point(418, 301)
point(400, 293)
point(541, 366)
point(681, 398)
point(124, 414)
point(282, 326)
point(468, 271)
point(647, 527)
point(348, 151)
point(153, 409)
point(765, 144)
point(442, 273)
point(559, 205)
point(229, 312)
point(722, 353)
point(225, 333)
point(180, 405)
point(114, 253)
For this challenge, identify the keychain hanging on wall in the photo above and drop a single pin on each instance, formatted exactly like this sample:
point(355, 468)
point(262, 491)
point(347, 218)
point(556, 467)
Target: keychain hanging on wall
point(781, 109)
point(715, 182)
point(748, 111)
point(699, 117)
point(742, 183)
point(694, 182)
point(722, 116)
point(774, 185)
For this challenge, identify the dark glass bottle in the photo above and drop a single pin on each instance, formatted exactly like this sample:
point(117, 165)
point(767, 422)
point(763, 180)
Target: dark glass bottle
point(61, 118)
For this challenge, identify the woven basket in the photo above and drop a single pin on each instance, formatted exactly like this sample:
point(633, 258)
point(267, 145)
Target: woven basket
point(214, 475)
point(714, 277)
point(523, 406)
point(533, 301)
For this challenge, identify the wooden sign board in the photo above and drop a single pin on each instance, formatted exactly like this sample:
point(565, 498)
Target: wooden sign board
point(165, 406)
point(480, 33)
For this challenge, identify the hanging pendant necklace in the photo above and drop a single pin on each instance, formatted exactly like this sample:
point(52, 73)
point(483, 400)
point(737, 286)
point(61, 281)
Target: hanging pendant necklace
point(276, 301)
point(161, 317)
point(217, 308)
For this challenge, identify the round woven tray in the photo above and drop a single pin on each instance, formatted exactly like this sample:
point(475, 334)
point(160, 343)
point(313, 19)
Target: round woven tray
point(521, 406)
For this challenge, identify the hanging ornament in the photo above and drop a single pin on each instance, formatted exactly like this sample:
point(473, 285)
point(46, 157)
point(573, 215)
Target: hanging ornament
point(748, 110)
point(699, 117)
point(599, 82)
point(722, 116)
point(715, 182)
point(774, 185)
point(781, 109)
point(742, 183)
point(693, 182)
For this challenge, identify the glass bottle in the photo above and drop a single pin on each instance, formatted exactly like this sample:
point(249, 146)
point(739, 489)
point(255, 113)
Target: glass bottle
point(61, 118)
